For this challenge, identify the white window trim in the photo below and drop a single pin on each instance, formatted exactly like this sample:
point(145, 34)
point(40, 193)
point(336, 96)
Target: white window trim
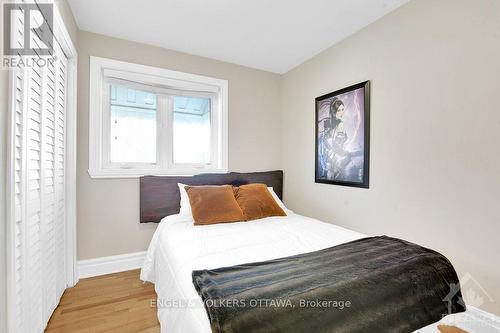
point(142, 74)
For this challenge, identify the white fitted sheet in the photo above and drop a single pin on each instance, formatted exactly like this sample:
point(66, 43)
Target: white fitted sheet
point(178, 247)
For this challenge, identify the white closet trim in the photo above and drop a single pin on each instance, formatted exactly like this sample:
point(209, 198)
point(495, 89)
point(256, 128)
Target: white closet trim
point(61, 34)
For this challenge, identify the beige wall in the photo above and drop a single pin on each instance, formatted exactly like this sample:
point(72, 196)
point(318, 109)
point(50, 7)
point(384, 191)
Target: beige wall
point(435, 133)
point(108, 209)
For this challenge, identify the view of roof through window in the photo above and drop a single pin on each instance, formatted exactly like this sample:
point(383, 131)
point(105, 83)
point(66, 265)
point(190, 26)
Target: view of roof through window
point(133, 127)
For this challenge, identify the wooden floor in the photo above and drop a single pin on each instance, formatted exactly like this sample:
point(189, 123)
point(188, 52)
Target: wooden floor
point(117, 302)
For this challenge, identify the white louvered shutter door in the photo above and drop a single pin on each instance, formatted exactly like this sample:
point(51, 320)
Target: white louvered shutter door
point(38, 270)
point(61, 76)
point(34, 198)
point(18, 253)
point(48, 191)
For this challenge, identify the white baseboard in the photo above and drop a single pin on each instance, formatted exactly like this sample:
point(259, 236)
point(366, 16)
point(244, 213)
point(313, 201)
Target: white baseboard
point(107, 265)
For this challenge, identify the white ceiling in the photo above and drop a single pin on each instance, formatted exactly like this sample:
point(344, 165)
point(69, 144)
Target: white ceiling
point(273, 35)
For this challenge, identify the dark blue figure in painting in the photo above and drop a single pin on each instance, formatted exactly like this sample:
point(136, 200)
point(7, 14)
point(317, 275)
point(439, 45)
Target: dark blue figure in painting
point(340, 142)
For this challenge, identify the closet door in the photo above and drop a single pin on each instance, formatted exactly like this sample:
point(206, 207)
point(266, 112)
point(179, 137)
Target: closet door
point(37, 275)
point(61, 87)
point(53, 182)
point(18, 255)
point(33, 222)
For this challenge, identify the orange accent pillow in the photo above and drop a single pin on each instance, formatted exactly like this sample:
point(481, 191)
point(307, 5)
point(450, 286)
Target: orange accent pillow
point(257, 202)
point(450, 329)
point(213, 204)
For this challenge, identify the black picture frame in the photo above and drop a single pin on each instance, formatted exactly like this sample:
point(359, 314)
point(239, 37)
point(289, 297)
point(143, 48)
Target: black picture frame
point(332, 173)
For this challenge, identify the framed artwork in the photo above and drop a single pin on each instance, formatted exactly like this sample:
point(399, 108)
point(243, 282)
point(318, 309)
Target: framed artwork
point(343, 136)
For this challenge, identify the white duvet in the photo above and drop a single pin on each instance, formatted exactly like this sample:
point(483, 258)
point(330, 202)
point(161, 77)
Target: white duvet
point(178, 247)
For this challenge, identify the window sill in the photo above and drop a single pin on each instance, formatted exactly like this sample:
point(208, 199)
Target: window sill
point(127, 173)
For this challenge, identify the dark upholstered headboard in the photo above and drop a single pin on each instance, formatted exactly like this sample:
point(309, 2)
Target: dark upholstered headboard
point(160, 195)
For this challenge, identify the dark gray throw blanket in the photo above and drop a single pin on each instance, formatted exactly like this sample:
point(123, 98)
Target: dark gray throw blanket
point(376, 284)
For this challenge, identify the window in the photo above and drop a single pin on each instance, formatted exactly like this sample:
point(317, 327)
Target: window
point(152, 121)
point(191, 130)
point(133, 125)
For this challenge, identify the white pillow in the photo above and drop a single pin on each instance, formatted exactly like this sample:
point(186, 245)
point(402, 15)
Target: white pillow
point(185, 205)
point(278, 201)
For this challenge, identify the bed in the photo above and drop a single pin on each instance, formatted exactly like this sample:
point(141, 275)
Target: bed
point(178, 248)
